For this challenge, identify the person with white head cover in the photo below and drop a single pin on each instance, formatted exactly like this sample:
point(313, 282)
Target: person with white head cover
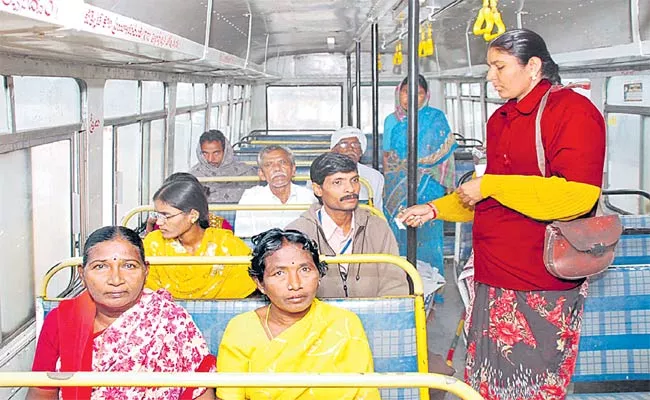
point(351, 142)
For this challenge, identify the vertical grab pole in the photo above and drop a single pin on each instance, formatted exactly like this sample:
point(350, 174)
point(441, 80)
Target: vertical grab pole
point(375, 96)
point(357, 54)
point(348, 58)
point(412, 118)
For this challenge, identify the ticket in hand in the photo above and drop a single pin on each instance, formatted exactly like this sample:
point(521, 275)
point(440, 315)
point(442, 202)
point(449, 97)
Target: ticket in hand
point(399, 223)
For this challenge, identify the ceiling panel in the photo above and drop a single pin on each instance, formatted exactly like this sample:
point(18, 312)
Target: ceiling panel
point(184, 18)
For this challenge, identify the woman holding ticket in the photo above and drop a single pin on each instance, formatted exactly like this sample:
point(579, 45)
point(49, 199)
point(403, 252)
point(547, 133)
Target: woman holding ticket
point(525, 323)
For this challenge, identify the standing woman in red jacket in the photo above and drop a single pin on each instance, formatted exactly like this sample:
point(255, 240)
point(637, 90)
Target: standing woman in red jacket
point(525, 323)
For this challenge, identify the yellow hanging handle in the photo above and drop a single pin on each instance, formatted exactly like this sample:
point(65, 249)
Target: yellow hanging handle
point(379, 65)
point(498, 22)
point(484, 16)
point(429, 41)
point(422, 46)
point(397, 56)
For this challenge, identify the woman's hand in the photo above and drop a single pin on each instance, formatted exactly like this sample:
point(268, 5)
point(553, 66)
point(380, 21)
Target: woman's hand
point(417, 215)
point(470, 192)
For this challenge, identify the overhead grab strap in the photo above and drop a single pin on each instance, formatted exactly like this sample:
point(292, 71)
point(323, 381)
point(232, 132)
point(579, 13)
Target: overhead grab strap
point(484, 22)
point(497, 22)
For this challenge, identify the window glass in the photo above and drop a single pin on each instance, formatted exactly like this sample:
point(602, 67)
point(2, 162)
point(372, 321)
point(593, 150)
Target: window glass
point(128, 164)
point(451, 89)
point(491, 92)
point(223, 119)
point(45, 102)
point(5, 125)
point(451, 114)
point(464, 89)
point(17, 284)
point(198, 127)
point(386, 107)
point(468, 119)
point(236, 92)
point(107, 176)
point(219, 92)
point(478, 121)
point(214, 118)
point(120, 98)
point(156, 156)
point(304, 107)
point(199, 93)
point(153, 96)
point(51, 207)
point(629, 90)
point(184, 94)
point(475, 89)
point(182, 136)
point(624, 153)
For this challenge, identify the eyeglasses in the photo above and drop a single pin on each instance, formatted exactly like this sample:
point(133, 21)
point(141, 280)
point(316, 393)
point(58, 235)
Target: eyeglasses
point(162, 218)
point(345, 145)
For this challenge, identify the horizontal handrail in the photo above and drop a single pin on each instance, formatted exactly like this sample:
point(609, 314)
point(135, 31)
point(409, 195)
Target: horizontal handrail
point(287, 142)
point(297, 178)
point(418, 288)
point(236, 380)
point(247, 207)
point(299, 163)
point(629, 192)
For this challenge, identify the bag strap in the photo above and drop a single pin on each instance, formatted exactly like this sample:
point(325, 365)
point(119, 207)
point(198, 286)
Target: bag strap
point(541, 155)
point(539, 146)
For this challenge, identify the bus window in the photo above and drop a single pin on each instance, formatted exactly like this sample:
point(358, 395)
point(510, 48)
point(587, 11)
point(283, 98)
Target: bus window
point(156, 130)
point(129, 169)
point(304, 107)
point(120, 98)
point(46, 102)
point(386, 106)
point(5, 124)
point(153, 96)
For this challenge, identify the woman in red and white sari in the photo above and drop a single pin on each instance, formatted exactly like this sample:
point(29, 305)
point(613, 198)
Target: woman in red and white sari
point(118, 326)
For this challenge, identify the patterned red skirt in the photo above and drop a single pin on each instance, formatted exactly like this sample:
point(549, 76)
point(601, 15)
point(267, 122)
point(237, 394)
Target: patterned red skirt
point(523, 345)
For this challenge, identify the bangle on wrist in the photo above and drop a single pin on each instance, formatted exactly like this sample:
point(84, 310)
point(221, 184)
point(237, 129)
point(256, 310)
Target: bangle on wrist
point(433, 210)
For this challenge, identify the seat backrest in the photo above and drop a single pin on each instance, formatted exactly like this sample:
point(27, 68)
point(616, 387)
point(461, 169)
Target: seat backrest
point(615, 336)
point(633, 248)
point(389, 324)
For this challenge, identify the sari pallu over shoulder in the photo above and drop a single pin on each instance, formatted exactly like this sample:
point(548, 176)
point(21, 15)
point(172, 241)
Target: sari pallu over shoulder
point(155, 335)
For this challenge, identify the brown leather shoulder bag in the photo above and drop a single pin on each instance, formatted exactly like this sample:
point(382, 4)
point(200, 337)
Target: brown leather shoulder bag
point(582, 247)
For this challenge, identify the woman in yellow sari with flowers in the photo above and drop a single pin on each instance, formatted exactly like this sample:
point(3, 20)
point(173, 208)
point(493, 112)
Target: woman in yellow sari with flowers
point(295, 332)
point(182, 214)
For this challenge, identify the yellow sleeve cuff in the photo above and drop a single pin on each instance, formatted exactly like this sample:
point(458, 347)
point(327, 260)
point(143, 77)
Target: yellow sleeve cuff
point(450, 208)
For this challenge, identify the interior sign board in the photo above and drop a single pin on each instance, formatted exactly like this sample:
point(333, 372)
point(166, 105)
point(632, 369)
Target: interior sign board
point(633, 91)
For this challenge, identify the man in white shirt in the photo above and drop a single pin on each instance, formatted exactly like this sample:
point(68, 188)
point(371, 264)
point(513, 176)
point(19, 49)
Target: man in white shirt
point(352, 142)
point(276, 166)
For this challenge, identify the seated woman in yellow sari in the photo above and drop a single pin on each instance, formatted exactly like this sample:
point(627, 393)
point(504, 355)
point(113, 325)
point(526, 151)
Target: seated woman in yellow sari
point(182, 214)
point(295, 332)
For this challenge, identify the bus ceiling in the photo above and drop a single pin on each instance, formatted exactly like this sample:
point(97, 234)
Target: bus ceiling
point(238, 39)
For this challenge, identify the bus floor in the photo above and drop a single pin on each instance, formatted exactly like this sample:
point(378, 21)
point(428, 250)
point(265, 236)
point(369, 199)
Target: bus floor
point(442, 325)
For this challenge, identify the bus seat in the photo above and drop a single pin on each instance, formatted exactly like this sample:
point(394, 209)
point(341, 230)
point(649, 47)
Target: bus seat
point(389, 324)
point(633, 248)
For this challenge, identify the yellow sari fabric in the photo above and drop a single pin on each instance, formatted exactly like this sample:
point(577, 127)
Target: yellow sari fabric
point(327, 339)
point(200, 281)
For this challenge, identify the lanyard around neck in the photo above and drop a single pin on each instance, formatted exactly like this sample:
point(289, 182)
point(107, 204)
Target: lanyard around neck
point(347, 243)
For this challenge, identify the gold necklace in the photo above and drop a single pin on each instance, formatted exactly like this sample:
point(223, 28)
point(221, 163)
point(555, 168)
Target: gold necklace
point(266, 323)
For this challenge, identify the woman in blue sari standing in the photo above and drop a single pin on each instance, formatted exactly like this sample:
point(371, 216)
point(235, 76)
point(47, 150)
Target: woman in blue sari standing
point(436, 167)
